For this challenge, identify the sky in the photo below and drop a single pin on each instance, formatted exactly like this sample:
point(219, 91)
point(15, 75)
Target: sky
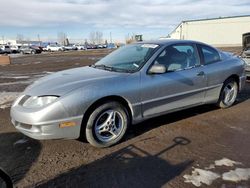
point(77, 18)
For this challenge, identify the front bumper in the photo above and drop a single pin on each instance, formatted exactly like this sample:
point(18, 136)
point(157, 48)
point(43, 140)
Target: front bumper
point(45, 123)
point(50, 130)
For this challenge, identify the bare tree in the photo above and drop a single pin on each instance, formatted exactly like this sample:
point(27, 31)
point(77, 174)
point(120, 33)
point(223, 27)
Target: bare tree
point(96, 37)
point(61, 38)
point(99, 36)
point(19, 38)
point(92, 37)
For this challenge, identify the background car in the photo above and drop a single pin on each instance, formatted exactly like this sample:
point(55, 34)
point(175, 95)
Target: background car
point(54, 48)
point(247, 61)
point(30, 50)
point(246, 52)
point(133, 83)
point(70, 47)
point(2, 52)
point(80, 47)
point(6, 49)
point(15, 49)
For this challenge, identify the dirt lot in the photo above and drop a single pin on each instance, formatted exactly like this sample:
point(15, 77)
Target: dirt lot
point(155, 153)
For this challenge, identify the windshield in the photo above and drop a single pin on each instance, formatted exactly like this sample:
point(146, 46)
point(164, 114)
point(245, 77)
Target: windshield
point(128, 58)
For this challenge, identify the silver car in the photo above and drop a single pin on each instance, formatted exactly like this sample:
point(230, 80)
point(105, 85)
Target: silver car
point(133, 83)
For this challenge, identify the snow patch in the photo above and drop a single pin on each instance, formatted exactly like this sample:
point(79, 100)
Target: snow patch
point(211, 166)
point(15, 77)
point(21, 141)
point(237, 175)
point(6, 99)
point(226, 162)
point(200, 176)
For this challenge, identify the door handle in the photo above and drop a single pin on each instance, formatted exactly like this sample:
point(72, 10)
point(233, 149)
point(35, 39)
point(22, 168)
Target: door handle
point(201, 73)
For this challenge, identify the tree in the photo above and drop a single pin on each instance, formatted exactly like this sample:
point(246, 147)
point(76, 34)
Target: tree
point(92, 37)
point(96, 37)
point(19, 38)
point(61, 38)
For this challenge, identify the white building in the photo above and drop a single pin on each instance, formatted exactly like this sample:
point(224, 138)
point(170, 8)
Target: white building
point(219, 32)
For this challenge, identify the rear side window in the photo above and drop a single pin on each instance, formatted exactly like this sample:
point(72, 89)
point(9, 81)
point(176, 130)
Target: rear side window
point(210, 55)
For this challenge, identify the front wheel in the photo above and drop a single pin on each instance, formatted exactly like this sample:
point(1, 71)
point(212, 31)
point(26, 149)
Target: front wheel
point(228, 93)
point(107, 124)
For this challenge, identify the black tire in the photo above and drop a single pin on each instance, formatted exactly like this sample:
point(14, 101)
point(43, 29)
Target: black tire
point(221, 102)
point(7, 182)
point(92, 136)
point(33, 52)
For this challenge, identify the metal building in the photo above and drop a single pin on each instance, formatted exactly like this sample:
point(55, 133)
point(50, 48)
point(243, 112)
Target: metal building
point(219, 32)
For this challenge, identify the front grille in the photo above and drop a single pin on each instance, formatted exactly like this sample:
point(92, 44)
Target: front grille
point(22, 125)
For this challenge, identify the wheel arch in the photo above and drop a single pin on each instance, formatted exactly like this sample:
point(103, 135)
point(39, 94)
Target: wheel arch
point(92, 107)
point(234, 76)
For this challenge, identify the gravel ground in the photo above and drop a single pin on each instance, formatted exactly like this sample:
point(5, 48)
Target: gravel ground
point(155, 153)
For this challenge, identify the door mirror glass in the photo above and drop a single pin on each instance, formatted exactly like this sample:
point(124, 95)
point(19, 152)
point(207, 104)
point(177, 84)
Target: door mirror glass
point(157, 69)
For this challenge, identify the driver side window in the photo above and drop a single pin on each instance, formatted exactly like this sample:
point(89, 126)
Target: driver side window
point(178, 57)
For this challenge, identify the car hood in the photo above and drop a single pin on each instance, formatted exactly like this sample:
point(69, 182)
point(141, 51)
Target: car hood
point(63, 82)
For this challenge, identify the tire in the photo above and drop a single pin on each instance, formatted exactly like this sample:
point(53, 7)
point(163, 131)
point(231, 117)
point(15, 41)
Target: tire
point(107, 124)
point(228, 94)
point(33, 52)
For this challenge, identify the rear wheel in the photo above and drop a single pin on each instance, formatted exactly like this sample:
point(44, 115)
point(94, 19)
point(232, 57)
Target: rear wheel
point(33, 52)
point(228, 93)
point(107, 124)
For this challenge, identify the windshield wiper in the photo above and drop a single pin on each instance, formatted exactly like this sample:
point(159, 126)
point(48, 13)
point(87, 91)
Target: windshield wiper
point(103, 67)
point(109, 68)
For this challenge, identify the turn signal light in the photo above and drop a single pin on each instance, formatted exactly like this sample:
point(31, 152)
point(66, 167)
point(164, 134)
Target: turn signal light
point(67, 124)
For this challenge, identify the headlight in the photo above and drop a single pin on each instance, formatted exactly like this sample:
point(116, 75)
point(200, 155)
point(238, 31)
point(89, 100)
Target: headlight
point(37, 102)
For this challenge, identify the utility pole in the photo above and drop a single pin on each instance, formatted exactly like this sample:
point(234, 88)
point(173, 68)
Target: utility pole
point(38, 37)
point(110, 37)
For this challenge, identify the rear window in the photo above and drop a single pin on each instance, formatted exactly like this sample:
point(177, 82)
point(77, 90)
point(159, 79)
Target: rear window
point(210, 55)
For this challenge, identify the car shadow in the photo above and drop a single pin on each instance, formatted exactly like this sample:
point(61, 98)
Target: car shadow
point(244, 94)
point(138, 129)
point(17, 154)
point(145, 126)
point(130, 166)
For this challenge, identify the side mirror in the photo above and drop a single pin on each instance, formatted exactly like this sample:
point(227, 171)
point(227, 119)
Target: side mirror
point(157, 69)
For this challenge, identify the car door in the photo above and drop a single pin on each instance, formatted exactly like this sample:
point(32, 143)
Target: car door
point(216, 71)
point(181, 86)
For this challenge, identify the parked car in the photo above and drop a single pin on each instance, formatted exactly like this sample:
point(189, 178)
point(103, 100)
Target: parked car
point(134, 83)
point(54, 48)
point(15, 49)
point(2, 52)
point(80, 47)
point(30, 50)
point(70, 47)
point(247, 61)
point(111, 46)
point(6, 49)
point(246, 52)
